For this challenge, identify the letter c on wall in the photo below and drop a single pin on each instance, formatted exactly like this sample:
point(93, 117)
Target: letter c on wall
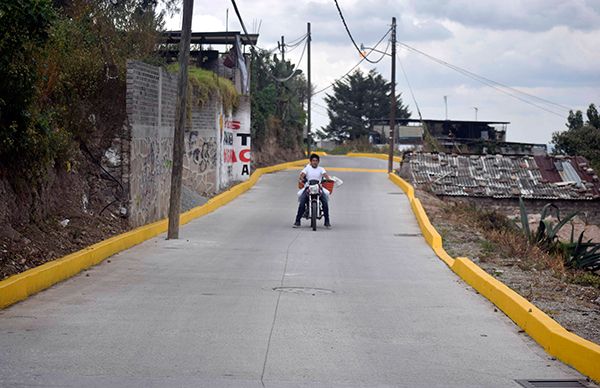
point(244, 157)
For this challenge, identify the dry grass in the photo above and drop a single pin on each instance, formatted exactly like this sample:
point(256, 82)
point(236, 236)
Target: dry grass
point(503, 240)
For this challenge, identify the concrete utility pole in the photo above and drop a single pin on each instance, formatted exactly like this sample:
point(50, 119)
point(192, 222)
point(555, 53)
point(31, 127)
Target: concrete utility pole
point(178, 136)
point(282, 48)
point(393, 102)
point(446, 105)
point(308, 133)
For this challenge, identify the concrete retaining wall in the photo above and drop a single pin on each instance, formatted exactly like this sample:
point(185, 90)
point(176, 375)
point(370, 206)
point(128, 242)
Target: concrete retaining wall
point(151, 109)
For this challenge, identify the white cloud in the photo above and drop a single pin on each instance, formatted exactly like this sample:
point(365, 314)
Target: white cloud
point(529, 15)
point(544, 47)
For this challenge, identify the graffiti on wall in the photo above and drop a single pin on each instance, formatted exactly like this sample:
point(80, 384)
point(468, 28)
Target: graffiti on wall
point(203, 152)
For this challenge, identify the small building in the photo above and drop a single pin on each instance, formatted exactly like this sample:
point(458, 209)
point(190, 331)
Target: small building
point(458, 136)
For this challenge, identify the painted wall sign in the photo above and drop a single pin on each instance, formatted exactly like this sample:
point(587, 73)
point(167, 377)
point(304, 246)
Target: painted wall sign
point(236, 144)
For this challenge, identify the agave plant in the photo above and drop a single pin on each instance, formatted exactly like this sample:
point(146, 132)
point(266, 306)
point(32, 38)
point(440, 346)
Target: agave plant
point(546, 234)
point(582, 255)
point(578, 254)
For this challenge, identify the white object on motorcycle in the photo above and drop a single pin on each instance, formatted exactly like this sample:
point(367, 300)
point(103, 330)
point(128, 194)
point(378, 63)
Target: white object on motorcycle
point(313, 189)
point(337, 181)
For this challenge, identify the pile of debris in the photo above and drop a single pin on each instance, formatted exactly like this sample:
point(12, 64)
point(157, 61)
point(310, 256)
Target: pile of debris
point(500, 176)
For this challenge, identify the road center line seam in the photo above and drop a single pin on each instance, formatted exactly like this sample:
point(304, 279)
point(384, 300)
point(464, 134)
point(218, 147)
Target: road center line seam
point(287, 256)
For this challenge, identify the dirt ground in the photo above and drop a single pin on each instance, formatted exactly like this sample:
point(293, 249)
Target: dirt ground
point(70, 212)
point(572, 298)
point(50, 240)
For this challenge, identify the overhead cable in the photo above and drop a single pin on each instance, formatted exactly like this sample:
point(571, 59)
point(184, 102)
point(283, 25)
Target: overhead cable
point(363, 57)
point(491, 83)
point(297, 41)
point(350, 34)
point(254, 48)
point(410, 88)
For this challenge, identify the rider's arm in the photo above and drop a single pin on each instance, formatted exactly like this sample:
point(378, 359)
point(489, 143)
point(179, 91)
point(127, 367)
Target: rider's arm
point(301, 177)
point(326, 176)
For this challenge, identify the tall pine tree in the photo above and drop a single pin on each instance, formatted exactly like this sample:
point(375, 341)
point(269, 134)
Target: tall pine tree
point(357, 103)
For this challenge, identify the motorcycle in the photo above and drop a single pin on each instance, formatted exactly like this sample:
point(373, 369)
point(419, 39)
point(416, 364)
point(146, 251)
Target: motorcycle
point(314, 206)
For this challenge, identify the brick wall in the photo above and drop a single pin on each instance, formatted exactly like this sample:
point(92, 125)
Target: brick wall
point(151, 105)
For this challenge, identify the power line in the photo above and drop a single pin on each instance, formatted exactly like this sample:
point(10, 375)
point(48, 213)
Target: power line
point(292, 47)
point(410, 87)
point(254, 48)
point(383, 53)
point(363, 57)
point(348, 120)
point(339, 79)
point(297, 41)
point(491, 83)
point(350, 34)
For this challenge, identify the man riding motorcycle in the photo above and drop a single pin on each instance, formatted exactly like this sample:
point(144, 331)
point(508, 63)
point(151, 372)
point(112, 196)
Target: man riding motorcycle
point(313, 172)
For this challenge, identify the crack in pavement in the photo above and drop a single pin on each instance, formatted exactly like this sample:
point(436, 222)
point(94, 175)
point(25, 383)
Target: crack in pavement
point(287, 256)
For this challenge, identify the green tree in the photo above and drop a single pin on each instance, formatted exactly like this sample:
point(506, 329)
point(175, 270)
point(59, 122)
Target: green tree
point(357, 103)
point(582, 138)
point(62, 67)
point(593, 117)
point(277, 102)
point(24, 32)
point(575, 120)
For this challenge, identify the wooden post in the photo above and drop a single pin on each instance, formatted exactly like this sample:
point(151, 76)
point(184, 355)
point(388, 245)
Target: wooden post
point(393, 102)
point(308, 123)
point(178, 136)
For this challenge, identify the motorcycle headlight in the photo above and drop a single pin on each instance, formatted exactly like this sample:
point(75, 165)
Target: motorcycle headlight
point(314, 189)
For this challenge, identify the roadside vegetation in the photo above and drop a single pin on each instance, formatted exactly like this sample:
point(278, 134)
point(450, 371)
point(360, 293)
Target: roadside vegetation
point(577, 253)
point(582, 137)
point(62, 94)
point(62, 65)
point(278, 109)
point(204, 84)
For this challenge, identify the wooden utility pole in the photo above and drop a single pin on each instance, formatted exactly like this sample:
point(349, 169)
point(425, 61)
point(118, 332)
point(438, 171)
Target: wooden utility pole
point(393, 102)
point(308, 133)
point(282, 48)
point(178, 136)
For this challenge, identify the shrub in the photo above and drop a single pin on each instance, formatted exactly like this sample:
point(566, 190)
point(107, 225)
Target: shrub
point(207, 84)
point(579, 254)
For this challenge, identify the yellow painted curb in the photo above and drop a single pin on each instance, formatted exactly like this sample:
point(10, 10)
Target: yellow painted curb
point(571, 349)
point(25, 284)
point(397, 159)
point(351, 169)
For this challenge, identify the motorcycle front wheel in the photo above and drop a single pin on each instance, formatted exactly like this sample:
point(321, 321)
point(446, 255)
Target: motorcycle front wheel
point(313, 215)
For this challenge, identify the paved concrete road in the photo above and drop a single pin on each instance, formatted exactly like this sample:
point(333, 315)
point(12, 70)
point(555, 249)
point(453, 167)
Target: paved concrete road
point(201, 311)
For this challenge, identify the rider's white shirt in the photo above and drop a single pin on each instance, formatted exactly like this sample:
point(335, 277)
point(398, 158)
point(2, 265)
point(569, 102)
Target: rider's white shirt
point(314, 173)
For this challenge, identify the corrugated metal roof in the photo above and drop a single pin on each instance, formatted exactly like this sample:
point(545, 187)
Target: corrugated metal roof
point(499, 176)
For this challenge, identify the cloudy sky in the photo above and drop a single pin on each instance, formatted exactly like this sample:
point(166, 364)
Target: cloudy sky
point(547, 48)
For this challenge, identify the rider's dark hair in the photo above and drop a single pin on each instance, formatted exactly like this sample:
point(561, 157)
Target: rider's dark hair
point(314, 156)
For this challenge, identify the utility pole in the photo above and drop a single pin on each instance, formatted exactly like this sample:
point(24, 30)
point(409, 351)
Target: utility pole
point(476, 110)
point(393, 102)
point(308, 133)
point(282, 48)
point(446, 105)
point(178, 136)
